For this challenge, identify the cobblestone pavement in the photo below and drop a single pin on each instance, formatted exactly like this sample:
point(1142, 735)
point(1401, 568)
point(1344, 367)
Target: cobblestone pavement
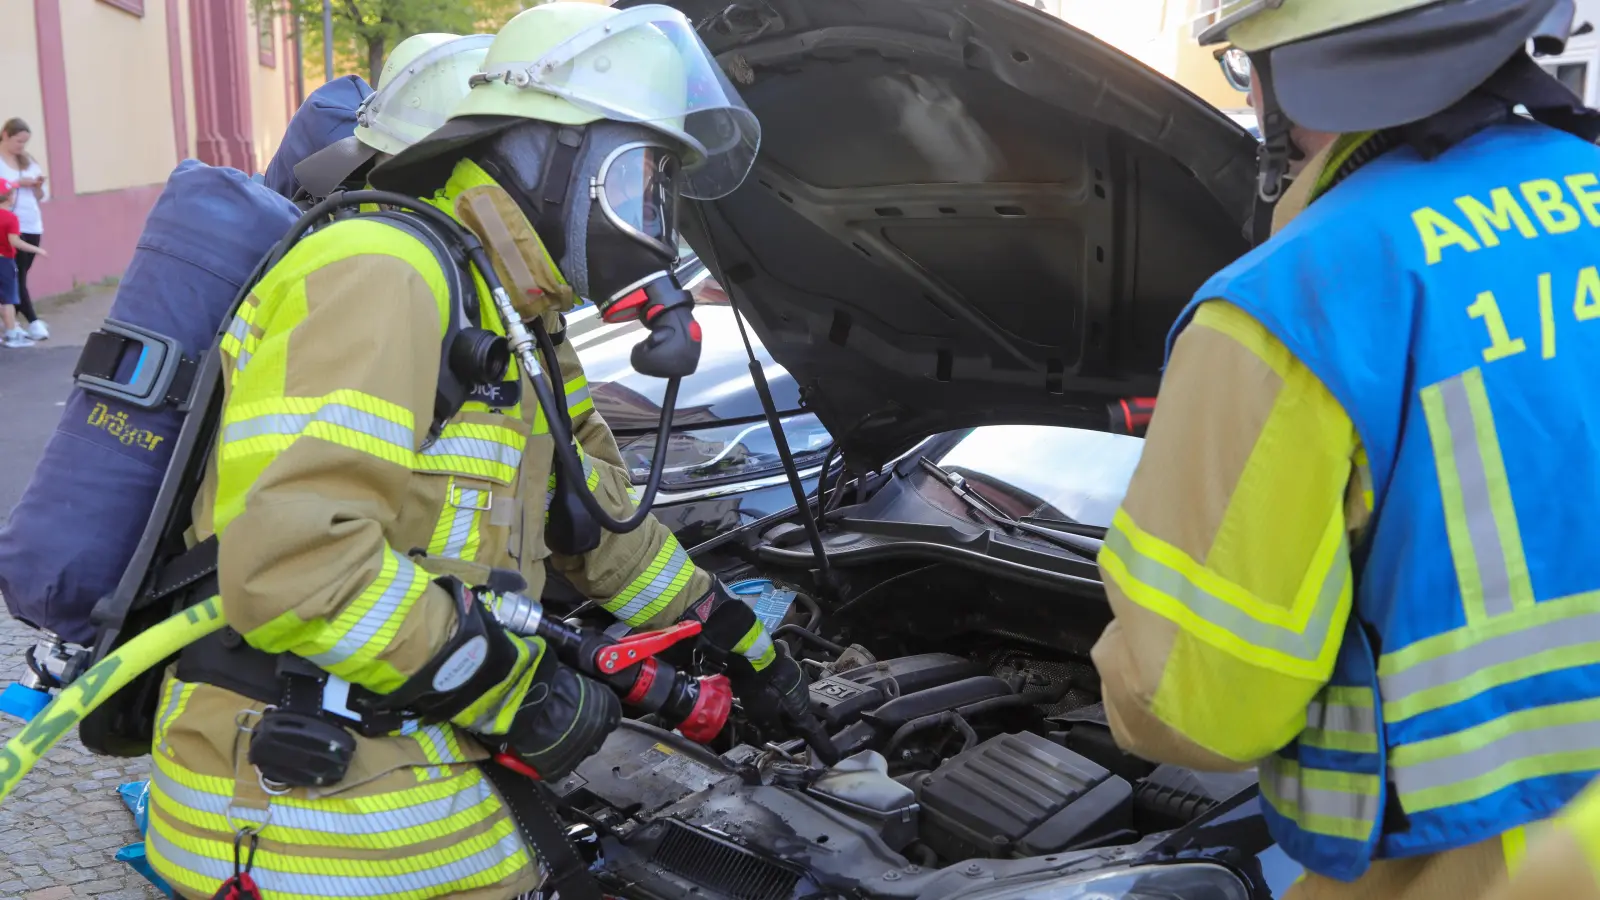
point(60, 830)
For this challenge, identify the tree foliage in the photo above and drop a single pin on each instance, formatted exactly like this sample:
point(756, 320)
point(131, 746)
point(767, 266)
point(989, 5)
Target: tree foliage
point(364, 31)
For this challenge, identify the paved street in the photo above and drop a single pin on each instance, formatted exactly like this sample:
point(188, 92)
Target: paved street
point(61, 829)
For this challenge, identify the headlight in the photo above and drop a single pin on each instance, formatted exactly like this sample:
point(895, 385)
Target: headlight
point(1185, 881)
point(706, 456)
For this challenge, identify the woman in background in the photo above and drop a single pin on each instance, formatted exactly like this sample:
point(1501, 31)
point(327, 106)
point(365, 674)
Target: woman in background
point(18, 167)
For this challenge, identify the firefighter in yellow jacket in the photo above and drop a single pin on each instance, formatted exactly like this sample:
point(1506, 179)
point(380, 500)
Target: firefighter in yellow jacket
point(353, 542)
point(1349, 558)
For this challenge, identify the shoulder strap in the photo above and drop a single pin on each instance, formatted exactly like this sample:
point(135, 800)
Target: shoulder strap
point(465, 313)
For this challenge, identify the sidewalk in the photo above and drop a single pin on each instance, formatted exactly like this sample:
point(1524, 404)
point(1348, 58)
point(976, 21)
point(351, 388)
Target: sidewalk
point(60, 830)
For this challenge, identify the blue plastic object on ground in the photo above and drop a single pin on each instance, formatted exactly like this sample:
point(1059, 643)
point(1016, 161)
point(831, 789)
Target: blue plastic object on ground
point(22, 702)
point(770, 603)
point(136, 796)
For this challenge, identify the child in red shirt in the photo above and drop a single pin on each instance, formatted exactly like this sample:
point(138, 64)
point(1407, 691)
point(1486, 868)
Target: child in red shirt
point(10, 242)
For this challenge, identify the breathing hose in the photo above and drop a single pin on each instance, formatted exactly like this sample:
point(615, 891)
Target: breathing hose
point(100, 683)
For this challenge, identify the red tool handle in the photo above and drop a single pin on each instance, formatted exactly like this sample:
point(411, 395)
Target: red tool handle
point(635, 649)
point(516, 765)
point(1131, 415)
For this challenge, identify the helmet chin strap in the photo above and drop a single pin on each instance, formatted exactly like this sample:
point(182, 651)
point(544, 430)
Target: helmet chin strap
point(1277, 147)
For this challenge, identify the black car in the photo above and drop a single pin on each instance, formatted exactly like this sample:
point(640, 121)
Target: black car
point(968, 234)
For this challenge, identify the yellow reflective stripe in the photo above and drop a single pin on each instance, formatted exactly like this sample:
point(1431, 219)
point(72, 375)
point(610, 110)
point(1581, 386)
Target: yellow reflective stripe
point(351, 644)
point(1299, 641)
point(346, 417)
point(1342, 718)
point(1515, 845)
point(200, 864)
point(173, 702)
point(578, 399)
point(469, 448)
point(492, 713)
point(1532, 743)
point(651, 590)
point(1338, 804)
point(1485, 543)
point(469, 802)
point(1364, 477)
point(457, 535)
point(756, 646)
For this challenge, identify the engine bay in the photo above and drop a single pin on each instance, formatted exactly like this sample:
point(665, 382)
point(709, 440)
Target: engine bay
point(974, 744)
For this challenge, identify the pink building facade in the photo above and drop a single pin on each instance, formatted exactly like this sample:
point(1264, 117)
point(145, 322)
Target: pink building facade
point(117, 92)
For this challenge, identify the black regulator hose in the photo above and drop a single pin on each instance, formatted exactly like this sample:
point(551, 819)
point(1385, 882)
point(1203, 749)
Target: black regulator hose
point(522, 346)
point(567, 455)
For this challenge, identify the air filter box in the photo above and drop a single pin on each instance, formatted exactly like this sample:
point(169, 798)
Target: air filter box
point(1020, 795)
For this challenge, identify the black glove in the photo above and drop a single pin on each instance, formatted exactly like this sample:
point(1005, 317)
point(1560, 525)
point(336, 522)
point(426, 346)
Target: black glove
point(767, 681)
point(563, 719)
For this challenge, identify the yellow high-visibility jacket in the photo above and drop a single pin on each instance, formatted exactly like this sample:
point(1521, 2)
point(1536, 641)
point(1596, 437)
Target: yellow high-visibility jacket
point(333, 521)
point(1247, 464)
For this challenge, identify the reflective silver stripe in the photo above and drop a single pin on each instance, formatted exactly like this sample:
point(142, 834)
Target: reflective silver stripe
point(165, 721)
point(239, 329)
point(357, 420)
point(376, 617)
point(1460, 664)
point(1304, 646)
point(1340, 717)
point(761, 646)
point(657, 586)
point(577, 395)
point(1487, 549)
point(386, 885)
point(475, 448)
point(432, 737)
point(1340, 813)
point(1484, 758)
point(461, 522)
point(327, 821)
point(244, 357)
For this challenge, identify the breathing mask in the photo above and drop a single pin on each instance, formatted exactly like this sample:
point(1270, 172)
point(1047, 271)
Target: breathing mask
point(604, 198)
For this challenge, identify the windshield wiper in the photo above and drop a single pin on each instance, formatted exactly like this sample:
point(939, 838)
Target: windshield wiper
point(958, 486)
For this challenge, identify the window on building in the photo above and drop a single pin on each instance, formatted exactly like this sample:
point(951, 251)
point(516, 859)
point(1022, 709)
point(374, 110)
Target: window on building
point(131, 6)
point(267, 47)
point(1204, 12)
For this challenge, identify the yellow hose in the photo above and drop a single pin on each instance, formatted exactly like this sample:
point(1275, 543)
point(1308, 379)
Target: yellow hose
point(101, 682)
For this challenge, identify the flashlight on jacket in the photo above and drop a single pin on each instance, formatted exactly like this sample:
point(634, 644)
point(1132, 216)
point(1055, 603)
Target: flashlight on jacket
point(696, 707)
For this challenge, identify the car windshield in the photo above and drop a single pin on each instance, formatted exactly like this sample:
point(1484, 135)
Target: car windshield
point(1050, 472)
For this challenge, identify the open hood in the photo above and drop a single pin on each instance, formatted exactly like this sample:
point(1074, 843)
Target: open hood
point(964, 212)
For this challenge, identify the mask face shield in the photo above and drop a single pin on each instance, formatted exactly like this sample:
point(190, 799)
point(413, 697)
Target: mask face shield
point(1236, 68)
point(637, 190)
point(646, 65)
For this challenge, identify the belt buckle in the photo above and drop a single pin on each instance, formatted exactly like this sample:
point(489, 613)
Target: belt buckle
point(454, 498)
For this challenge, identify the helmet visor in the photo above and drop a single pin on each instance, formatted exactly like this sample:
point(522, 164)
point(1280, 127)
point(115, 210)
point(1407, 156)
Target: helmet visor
point(647, 65)
point(638, 187)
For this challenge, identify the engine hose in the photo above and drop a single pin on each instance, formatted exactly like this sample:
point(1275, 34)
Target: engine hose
point(969, 737)
point(100, 683)
point(809, 637)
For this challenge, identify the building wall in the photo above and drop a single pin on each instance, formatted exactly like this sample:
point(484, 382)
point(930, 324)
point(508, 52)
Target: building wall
point(19, 73)
point(121, 119)
point(108, 133)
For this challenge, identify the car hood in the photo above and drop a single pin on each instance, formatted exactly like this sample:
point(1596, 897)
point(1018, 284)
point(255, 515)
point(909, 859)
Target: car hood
point(964, 212)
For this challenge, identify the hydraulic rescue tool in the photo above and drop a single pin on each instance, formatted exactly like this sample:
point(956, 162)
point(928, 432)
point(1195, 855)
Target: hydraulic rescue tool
point(696, 707)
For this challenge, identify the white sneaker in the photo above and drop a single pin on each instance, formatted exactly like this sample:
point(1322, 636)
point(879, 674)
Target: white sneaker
point(39, 331)
point(16, 337)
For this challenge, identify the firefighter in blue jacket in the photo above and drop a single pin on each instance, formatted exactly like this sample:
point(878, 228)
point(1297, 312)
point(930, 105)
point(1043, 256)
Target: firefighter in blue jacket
point(1355, 552)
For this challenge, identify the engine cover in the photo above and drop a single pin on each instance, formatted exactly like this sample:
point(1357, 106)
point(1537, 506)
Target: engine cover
point(1023, 795)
